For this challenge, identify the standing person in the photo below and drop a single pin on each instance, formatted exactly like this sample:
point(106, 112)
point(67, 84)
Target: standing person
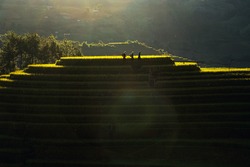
point(139, 55)
point(124, 55)
point(132, 55)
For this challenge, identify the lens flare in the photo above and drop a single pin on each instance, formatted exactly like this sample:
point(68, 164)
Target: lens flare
point(136, 118)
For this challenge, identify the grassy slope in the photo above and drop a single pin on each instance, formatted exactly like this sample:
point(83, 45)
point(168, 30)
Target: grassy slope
point(188, 113)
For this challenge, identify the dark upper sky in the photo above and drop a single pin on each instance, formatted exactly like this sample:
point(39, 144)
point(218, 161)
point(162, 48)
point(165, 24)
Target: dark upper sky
point(210, 31)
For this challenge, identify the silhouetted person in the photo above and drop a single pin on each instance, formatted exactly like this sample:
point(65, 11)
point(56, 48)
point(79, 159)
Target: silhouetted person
point(132, 55)
point(124, 55)
point(139, 55)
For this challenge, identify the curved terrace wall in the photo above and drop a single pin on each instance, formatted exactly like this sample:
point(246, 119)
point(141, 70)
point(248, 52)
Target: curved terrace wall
point(106, 111)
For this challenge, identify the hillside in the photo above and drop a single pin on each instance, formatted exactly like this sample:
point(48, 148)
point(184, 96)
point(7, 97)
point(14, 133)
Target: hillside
point(108, 111)
point(115, 48)
point(210, 31)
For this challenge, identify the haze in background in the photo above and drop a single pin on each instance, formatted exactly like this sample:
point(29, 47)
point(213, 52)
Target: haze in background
point(215, 32)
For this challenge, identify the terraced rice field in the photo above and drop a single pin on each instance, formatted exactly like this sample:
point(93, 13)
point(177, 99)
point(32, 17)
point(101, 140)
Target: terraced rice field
point(106, 111)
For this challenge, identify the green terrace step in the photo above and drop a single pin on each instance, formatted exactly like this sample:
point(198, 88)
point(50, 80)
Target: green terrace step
point(168, 68)
point(205, 72)
point(86, 100)
point(116, 92)
point(128, 130)
point(201, 76)
point(12, 164)
point(88, 92)
point(89, 109)
point(129, 77)
point(172, 160)
point(5, 76)
point(174, 142)
point(124, 77)
point(140, 117)
point(96, 77)
point(126, 99)
point(4, 82)
point(226, 107)
point(69, 113)
point(115, 60)
point(74, 85)
point(87, 77)
point(12, 156)
point(201, 83)
point(55, 69)
point(140, 142)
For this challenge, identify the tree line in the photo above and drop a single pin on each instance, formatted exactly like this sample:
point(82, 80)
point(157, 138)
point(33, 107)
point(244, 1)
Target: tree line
point(17, 51)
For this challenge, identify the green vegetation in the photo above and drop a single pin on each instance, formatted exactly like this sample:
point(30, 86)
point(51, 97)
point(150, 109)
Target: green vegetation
point(18, 51)
point(113, 48)
point(102, 111)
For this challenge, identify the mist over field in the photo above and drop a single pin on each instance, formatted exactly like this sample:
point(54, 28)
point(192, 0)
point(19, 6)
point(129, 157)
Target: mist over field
point(215, 32)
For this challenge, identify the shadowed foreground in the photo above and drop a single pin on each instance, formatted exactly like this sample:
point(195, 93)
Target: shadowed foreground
point(106, 111)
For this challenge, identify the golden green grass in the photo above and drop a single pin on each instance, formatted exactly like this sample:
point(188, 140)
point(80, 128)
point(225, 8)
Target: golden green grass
point(113, 57)
point(224, 69)
point(6, 80)
point(20, 72)
point(5, 76)
point(46, 65)
point(185, 63)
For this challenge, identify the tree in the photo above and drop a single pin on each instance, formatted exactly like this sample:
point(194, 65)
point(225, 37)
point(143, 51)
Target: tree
point(70, 48)
point(22, 50)
point(49, 50)
point(9, 50)
point(33, 41)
